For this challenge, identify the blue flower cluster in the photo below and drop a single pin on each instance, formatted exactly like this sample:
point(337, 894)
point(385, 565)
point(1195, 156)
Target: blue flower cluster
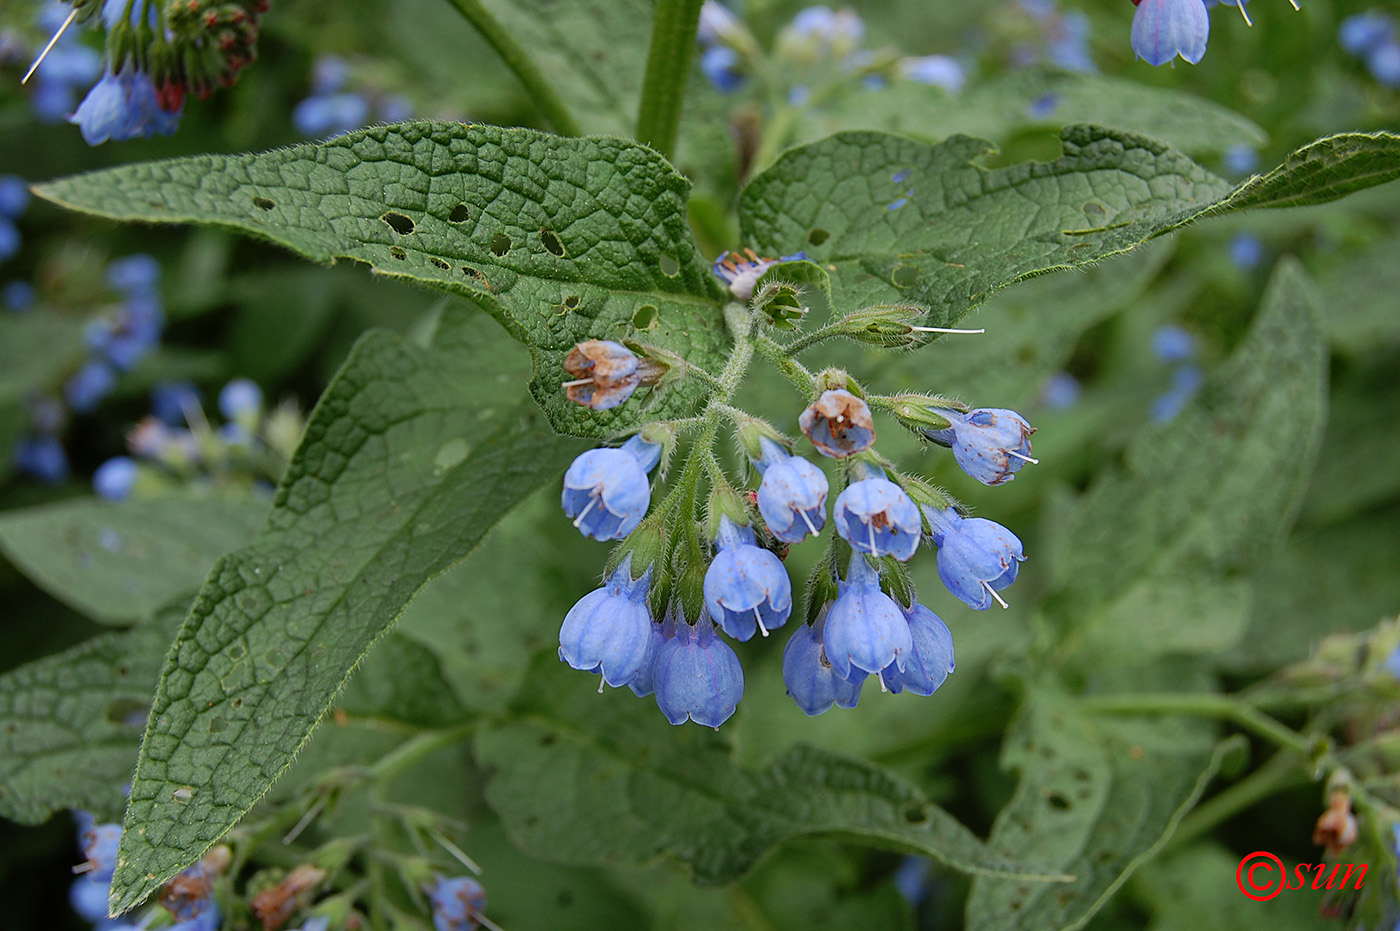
point(628, 634)
point(176, 444)
point(116, 340)
point(817, 37)
point(331, 109)
point(1372, 36)
point(189, 897)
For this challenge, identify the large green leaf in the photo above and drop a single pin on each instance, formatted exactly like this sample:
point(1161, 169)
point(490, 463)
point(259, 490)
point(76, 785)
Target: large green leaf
point(1150, 561)
point(605, 780)
point(119, 563)
point(593, 52)
point(70, 724)
point(901, 221)
point(409, 458)
point(560, 239)
point(1036, 98)
point(1098, 797)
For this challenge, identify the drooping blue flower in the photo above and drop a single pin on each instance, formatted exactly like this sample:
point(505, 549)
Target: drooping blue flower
point(458, 903)
point(189, 897)
point(990, 444)
point(329, 74)
point(17, 296)
point(976, 557)
point(606, 490)
point(1384, 63)
point(1186, 380)
point(1363, 33)
point(810, 679)
point(605, 374)
point(9, 239)
point(742, 271)
point(330, 114)
point(698, 676)
point(746, 586)
point(865, 630)
point(1164, 29)
point(931, 659)
point(86, 387)
point(644, 682)
point(1068, 42)
point(792, 496)
point(1061, 391)
point(876, 516)
point(1241, 159)
point(115, 478)
point(123, 106)
point(173, 401)
point(42, 457)
point(831, 31)
point(935, 70)
point(720, 64)
point(98, 843)
point(1171, 343)
point(839, 424)
point(1247, 250)
point(14, 196)
point(608, 631)
point(241, 400)
point(133, 274)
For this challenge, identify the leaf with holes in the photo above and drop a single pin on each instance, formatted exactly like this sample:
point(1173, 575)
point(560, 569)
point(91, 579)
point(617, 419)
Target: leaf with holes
point(1199, 500)
point(902, 221)
point(1098, 797)
point(119, 563)
point(70, 724)
point(407, 461)
point(561, 240)
point(586, 779)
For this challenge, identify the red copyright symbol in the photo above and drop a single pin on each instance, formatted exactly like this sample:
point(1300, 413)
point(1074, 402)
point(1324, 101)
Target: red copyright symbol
point(1255, 879)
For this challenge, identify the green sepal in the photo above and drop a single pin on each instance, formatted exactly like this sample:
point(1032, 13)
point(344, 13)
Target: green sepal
point(916, 412)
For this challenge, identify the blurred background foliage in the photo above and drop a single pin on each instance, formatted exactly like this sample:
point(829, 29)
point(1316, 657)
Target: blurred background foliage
point(1074, 353)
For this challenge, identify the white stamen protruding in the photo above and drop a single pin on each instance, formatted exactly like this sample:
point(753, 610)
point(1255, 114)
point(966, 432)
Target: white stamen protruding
point(993, 592)
point(759, 618)
point(457, 853)
point(486, 922)
point(1012, 452)
point(305, 821)
point(808, 521)
point(48, 48)
point(1247, 22)
point(602, 680)
point(87, 866)
point(1294, 4)
point(592, 500)
point(883, 687)
point(874, 551)
point(943, 329)
point(576, 382)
